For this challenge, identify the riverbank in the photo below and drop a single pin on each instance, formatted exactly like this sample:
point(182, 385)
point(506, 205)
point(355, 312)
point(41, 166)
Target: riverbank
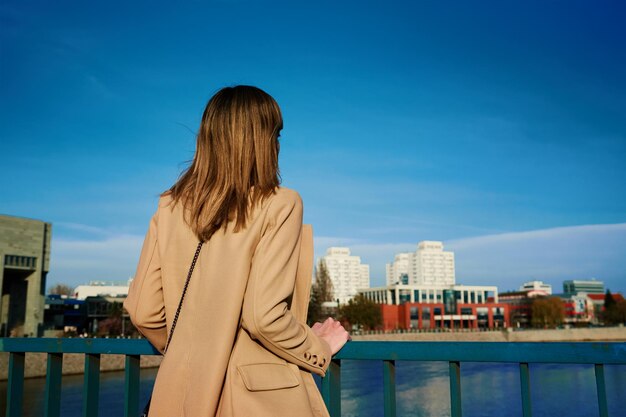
point(74, 363)
point(598, 334)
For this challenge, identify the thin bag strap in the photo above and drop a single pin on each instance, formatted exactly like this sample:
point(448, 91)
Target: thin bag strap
point(180, 304)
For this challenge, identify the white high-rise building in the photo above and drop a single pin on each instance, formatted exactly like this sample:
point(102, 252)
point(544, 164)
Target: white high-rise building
point(398, 269)
point(346, 273)
point(429, 265)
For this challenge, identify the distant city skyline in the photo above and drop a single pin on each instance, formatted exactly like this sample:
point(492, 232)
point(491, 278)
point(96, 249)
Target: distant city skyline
point(496, 128)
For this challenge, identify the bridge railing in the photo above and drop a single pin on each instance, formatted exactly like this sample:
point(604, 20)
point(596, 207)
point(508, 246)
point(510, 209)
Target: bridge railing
point(455, 353)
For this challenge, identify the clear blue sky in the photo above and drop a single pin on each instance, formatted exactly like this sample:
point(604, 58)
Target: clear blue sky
point(496, 127)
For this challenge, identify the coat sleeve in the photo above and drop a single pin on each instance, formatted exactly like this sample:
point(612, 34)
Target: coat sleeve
point(265, 313)
point(145, 303)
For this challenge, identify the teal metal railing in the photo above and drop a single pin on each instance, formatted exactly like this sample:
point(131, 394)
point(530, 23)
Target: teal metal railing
point(455, 353)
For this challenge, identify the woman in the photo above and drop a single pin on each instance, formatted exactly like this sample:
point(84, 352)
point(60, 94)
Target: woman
point(240, 346)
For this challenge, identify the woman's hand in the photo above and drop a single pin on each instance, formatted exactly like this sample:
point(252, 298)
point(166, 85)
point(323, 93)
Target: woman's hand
point(332, 332)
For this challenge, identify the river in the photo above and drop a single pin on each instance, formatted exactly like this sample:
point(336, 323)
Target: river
point(422, 390)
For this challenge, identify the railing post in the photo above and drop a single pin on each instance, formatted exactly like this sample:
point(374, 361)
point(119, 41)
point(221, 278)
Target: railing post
point(131, 385)
point(53, 385)
point(389, 388)
point(15, 389)
point(91, 389)
point(331, 388)
point(455, 388)
point(524, 373)
point(601, 390)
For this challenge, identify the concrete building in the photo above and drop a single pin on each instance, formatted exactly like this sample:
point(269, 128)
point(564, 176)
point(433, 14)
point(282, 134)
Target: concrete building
point(398, 270)
point(592, 286)
point(428, 265)
point(102, 289)
point(346, 273)
point(536, 286)
point(430, 307)
point(24, 264)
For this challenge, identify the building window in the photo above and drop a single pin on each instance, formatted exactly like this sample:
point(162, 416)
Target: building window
point(20, 261)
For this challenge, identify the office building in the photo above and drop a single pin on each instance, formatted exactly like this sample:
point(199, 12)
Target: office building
point(102, 289)
point(592, 286)
point(536, 286)
point(429, 307)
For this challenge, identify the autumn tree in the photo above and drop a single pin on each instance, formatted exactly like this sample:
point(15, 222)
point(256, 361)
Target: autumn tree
point(321, 292)
point(360, 311)
point(61, 289)
point(547, 312)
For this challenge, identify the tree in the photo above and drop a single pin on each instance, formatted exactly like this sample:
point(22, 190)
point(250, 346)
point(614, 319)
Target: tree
point(321, 291)
point(618, 313)
point(61, 289)
point(362, 312)
point(547, 312)
point(609, 301)
point(614, 311)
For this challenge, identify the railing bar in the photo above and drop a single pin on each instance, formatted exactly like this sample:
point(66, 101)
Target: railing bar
point(53, 385)
point(524, 373)
point(455, 389)
point(15, 388)
point(601, 390)
point(91, 389)
point(389, 388)
point(331, 388)
point(131, 384)
point(607, 353)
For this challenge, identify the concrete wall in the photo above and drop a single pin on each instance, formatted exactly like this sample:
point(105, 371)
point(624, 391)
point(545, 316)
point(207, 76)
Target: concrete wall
point(614, 334)
point(23, 287)
point(73, 363)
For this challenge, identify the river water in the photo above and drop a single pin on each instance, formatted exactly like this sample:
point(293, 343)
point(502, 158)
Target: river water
point(422, 389)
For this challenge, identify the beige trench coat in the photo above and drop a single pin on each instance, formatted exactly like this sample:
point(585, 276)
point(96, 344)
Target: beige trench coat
point(241, 346)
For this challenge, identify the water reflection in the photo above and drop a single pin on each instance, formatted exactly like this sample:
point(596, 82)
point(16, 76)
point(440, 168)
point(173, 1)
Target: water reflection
point(423, 390)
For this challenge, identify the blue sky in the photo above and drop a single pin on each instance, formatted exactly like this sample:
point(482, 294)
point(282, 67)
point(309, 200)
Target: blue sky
point(496, 127)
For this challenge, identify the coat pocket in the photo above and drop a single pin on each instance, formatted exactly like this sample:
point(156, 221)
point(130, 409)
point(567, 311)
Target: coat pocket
point(267, 376)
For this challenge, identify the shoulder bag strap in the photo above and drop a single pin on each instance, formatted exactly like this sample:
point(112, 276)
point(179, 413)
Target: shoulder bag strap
point(180, 304)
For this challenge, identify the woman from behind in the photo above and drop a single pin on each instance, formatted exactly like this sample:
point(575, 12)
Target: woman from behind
point(241, 346)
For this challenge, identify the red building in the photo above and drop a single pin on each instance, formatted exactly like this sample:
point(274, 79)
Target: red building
point(434, 316)
point(439, 307)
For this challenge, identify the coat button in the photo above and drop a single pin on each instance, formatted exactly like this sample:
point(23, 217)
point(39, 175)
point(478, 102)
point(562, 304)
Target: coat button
point(307, 355)
point(314, 359)
point(322, 362)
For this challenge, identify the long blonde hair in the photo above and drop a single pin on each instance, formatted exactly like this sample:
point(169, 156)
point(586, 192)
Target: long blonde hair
point(236, 161)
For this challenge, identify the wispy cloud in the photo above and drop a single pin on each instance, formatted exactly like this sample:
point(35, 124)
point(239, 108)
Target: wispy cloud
point(552, 255)
point(509, 259)
point(83, 228)
point(505, 260)
point(75, 262)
